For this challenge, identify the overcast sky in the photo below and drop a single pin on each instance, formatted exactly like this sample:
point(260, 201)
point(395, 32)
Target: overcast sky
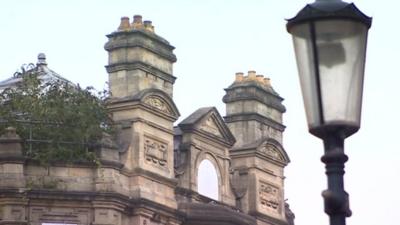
point(213, 40)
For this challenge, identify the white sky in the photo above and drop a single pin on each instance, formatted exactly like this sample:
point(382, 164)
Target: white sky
point(213, 40)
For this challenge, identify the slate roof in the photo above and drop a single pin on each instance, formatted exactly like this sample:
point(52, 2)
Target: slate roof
point(196, 116)
point(190, 123)
point(44, 74)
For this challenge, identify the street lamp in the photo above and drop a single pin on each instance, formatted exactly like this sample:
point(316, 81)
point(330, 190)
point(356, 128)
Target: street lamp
point(330, 39)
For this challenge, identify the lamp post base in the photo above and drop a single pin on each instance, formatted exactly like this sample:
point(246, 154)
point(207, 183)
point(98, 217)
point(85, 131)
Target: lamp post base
point(336, 199)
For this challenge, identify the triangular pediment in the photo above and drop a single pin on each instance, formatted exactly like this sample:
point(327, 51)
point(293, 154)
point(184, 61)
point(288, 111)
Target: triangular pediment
point(208, 121)
point(209, 124)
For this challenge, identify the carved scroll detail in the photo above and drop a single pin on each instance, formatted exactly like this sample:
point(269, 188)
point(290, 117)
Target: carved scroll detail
point(269, 197)
point(155, 151)
point(158, 103)
point(272, 151)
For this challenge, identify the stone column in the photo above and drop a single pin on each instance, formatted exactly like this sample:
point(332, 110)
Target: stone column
point(12, 178)
point(11, 160)
point(254, 115)
point(141, 84)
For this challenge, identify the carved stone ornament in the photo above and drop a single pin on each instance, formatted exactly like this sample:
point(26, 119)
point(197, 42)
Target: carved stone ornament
point(210, 127)
point(157, 103)
point(269, 197)
point(155, 152)
point(239, 182)
point(272, 151)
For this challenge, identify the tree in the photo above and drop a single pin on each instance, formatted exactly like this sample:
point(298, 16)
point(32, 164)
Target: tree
point(57, 120)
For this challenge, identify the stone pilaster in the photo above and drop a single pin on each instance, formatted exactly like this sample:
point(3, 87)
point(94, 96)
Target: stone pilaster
point(13, 211)
point(254, 115)
point(253, 109)
point(141, 84)
point(11, 160)
point(139, 59)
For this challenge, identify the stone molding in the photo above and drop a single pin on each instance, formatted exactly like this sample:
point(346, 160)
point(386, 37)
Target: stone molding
point(267, 148)
point(253, 92)
point(200, 122)
point(141, 66)
point(166, 109)
point(213, 214)
point(257, 117)
point(138, 38)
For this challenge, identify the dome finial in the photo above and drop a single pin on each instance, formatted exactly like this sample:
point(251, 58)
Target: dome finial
point(41, 59)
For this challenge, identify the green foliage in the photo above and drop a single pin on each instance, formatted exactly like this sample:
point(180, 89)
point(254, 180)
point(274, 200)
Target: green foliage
point(58, 121)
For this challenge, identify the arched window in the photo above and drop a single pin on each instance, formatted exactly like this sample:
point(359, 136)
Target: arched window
point(207, 180)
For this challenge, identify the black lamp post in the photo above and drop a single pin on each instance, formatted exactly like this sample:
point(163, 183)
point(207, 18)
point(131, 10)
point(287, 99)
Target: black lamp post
point(330, 39)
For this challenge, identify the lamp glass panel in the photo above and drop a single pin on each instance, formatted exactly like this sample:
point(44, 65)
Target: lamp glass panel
point(306, 69)
point(341, 46)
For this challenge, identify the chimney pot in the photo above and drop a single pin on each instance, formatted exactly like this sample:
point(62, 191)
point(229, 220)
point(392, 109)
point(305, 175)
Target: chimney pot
point(239, 77)
point(148, 25)
point(41, 59)
point(260, 78)
point(252, 75)
point(137, 19)
point(124, 26)
point(267, 81)
point(137, 22)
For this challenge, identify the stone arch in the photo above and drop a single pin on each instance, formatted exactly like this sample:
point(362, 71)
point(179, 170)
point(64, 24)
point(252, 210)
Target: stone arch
point(212, 159)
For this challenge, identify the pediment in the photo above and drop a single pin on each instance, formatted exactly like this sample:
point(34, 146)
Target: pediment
point(154, 100)
point(158, 101)
point(273, 150)
point(209, 125)
point(208, 122)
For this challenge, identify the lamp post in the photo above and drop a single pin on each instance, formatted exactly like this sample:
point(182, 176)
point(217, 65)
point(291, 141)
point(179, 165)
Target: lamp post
point(330, 39)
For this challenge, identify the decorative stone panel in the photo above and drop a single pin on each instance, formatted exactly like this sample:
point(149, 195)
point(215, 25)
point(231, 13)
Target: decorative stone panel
point(269, 198)
point(156, 152)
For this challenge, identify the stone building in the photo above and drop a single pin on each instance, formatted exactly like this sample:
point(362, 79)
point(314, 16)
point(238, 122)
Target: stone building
point(149, 175)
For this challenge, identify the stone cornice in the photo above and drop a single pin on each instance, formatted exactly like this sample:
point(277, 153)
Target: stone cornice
point(171, 182)
point(141, 66)
point(138, 38)
point(138, 102)
point(254, 92)
point(254, 116)
point(213, 214)
point(122, 202)
point(192, 124)
point(247, 153)
point(267, 218)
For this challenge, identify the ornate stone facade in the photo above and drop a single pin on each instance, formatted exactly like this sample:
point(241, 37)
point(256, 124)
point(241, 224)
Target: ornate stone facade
point(149, 172)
